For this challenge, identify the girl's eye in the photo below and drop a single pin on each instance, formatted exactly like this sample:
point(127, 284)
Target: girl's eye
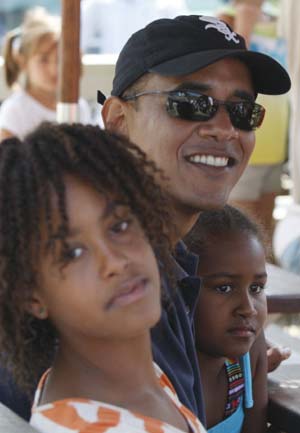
point(256, 288)
point(225, 288)
point(73, 254)
point(121, 226)
point(76, 252)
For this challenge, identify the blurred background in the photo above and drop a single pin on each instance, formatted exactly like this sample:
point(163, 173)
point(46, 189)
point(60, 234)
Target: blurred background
point(137, 14)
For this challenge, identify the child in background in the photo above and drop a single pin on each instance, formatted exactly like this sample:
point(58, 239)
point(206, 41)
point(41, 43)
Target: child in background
point(80, 283)
point(31, 57)
point(229, 318)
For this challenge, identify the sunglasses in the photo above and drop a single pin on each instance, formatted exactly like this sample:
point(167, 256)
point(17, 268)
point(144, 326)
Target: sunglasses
point(192, 105)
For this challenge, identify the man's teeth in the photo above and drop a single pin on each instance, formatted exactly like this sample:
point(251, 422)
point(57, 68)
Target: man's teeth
point(216, 161)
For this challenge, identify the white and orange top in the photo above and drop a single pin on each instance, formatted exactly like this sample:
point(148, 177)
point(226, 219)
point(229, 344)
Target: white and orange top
point(81, 415)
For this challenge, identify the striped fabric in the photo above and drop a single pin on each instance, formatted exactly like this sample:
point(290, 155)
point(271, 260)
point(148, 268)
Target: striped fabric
point(236, 386)
point(80, 415)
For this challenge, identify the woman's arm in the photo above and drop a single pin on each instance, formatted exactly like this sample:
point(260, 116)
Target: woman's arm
point(256, 417)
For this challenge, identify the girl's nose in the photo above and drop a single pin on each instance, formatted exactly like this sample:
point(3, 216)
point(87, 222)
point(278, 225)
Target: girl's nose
point(111, 260)
point(53, 69)
point(246, 305)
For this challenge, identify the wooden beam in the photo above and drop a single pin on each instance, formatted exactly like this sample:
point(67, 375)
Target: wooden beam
point(283, 290)
point(69, 64)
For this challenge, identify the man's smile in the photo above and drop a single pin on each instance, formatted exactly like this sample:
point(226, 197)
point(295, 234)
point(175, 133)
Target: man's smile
point(211, 160)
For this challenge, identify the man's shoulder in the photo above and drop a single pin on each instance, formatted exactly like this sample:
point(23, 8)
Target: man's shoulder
point(12, 397)
point(187, 260)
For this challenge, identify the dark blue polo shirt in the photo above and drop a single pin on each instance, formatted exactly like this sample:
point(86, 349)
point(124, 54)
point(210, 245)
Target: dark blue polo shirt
point(173, 341)
point(12, 397)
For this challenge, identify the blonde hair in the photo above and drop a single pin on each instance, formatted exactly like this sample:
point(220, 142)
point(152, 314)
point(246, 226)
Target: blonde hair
point(24, 42)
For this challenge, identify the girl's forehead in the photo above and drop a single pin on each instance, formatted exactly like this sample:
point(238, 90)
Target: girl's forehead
point(81, 203)
point(229, 237)
point(46, 45)
point(82, 208)
point(231, 249)
point(81, 193)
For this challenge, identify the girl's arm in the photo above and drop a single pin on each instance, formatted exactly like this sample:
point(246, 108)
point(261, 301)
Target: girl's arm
point(256, 417)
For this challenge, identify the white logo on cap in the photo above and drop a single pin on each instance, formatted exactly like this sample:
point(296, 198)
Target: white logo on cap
point(221, 27)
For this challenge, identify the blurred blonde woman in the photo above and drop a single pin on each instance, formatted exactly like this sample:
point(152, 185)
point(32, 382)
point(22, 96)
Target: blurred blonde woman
point(31, 71)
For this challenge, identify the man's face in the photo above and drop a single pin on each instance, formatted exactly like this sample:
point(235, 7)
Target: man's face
point(172, 143)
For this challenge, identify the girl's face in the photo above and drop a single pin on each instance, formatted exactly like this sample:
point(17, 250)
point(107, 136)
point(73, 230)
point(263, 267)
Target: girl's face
point(42, 67)
point(107, 284)
point(232, 304)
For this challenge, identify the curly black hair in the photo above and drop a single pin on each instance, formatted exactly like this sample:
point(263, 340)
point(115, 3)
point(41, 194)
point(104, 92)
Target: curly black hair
point(213, 223)
point(31, 172)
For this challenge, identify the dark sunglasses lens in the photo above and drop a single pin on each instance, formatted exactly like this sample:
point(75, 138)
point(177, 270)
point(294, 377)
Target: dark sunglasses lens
point(189, 106)
point(258, 115)
point(246, 116)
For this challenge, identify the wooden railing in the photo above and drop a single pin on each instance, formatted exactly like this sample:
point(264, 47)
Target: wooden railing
point(283, 291)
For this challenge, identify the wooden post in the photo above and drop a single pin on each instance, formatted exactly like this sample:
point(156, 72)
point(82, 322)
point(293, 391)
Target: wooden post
point(69, 63)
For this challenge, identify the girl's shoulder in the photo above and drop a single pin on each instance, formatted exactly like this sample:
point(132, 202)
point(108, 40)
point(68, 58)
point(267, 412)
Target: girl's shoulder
point(258, 354)
point(165, 383)
point(83, 415)
point(20, 101)
point(13, 112)
point(14, 100)
point(20, 113)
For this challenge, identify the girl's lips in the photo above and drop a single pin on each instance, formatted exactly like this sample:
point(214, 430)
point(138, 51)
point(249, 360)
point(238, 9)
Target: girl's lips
point(242, 332)
point(131, 292)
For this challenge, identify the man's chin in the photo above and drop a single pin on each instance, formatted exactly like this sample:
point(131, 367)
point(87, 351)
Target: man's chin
point(212, 203)
point(186, 211)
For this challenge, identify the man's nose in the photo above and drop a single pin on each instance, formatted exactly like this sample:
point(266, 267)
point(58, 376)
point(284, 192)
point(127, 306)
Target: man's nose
point(219, 127)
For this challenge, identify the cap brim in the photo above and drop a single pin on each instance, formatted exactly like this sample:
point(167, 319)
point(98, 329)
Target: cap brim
point(269, 77)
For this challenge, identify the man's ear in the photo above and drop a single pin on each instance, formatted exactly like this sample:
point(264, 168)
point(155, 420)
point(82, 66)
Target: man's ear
point(36, 306)
point(114, 114)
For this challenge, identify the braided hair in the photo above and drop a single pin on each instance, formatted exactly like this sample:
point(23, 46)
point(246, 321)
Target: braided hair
point(32, 171)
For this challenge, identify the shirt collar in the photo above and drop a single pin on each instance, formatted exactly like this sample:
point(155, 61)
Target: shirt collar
point(185, 266)
point(187, 262)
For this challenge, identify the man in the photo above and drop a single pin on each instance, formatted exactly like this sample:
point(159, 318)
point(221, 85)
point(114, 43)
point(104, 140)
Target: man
point(201, 150)
point(184, 91)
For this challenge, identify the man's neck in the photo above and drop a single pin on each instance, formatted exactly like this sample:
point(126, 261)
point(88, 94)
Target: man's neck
point(183, 221)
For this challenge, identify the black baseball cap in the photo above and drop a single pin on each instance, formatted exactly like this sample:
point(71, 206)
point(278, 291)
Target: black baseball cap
point(185, 44)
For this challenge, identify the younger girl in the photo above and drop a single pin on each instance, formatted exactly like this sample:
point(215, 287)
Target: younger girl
point(80, 220)
point(32, 51)
point(229, 318)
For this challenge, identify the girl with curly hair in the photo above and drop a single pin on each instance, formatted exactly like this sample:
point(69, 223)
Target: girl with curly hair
point(82, 243)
